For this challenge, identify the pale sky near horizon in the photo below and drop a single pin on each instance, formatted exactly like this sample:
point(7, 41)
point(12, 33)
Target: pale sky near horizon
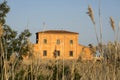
point(63, 14)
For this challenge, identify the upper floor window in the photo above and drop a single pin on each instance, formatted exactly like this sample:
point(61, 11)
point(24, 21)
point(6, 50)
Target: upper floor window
point(45, 41)
point(44, 53)
point(37, 38)
point(58, 41)
point(71, 41)
point(71, 53)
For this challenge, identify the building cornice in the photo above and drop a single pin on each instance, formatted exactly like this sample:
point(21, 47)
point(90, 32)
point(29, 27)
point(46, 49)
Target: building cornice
point(58, 32)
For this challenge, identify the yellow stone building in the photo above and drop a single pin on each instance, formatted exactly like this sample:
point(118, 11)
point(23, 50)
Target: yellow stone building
point(60, 44)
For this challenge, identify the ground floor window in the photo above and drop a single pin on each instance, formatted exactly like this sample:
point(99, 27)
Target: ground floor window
point(71, 53)
point(44, 53)
point(58, 53)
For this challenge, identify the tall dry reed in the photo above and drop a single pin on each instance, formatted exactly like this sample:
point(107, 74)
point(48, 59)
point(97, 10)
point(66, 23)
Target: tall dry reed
point(91, 15)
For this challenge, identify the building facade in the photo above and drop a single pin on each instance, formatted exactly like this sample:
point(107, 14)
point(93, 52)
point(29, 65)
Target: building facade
point(60, 44)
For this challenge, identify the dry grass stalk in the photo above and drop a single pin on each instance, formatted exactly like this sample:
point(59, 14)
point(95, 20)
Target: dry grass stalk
point(116, 46)
point(90, 12)
point(100, 21)
point(72, 70)
point(117, 35)
point(1, 29)
point(112, 23)
point(91, 15)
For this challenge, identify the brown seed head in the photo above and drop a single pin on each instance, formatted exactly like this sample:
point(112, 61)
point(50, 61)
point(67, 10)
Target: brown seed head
point(112, 23)
point(90, 12)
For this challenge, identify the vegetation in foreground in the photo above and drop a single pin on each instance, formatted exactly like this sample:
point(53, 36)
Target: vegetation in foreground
point(13, 46)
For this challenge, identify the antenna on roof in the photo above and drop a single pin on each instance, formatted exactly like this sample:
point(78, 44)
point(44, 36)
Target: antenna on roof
point(62, 28)
point(44, 25)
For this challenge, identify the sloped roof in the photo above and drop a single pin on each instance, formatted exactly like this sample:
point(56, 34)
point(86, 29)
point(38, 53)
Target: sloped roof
point(58, 32)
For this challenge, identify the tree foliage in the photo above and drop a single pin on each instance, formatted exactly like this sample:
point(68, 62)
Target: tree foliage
point(4, 9)
point(14, 42)
point(10, 40)
point(23, 42)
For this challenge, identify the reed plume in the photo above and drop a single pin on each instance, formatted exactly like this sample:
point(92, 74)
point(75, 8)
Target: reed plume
point(112, 23)
point(91, 14)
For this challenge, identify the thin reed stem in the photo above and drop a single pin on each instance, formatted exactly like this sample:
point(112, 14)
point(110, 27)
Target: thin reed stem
point(91, 15)
point(100, 22)
point(96, 33)
point(63, 58)
point(117, 34)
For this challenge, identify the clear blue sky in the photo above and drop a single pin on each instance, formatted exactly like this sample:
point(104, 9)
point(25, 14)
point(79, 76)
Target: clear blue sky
point(63, 14)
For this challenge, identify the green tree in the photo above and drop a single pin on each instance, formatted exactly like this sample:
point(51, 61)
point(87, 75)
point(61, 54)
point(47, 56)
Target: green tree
point(9, 38)
point(22, 46)
point(10, 41)
point(4, 9)
point(16, 43)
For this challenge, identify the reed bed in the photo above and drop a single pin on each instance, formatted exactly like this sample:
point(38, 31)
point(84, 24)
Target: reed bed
point(105, 68)
point(37, 69)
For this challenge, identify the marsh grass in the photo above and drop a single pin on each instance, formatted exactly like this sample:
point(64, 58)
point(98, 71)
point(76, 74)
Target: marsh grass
point(107, 50)
point(107, 68)
point(49, 69)
point(36, 69)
